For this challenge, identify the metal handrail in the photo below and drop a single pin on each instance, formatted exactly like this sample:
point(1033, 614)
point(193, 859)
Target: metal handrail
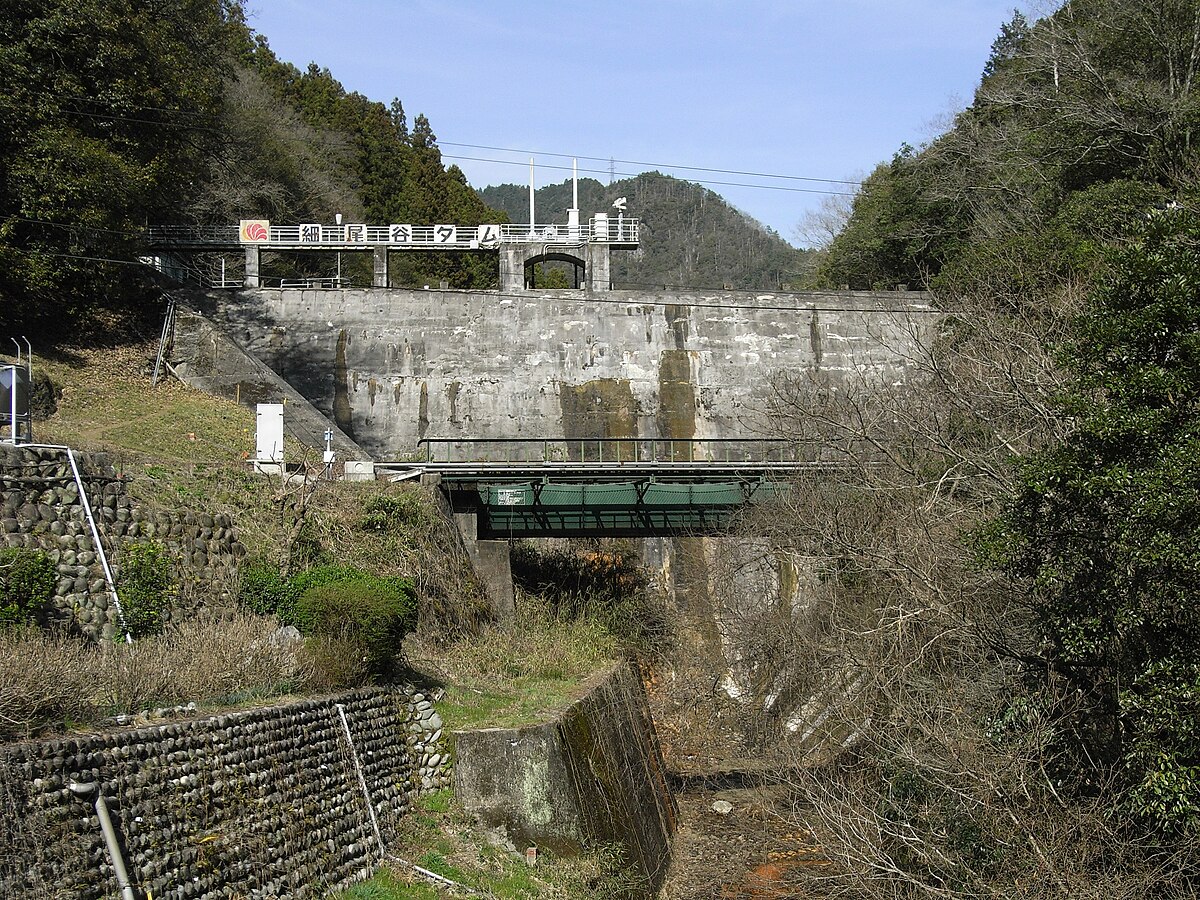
point(461, 237)
point(618, 451)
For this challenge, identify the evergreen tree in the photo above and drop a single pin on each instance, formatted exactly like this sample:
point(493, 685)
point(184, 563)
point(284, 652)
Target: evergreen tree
point(107, 111)
point(1106, 532)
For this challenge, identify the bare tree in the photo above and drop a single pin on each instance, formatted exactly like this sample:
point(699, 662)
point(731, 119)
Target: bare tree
point(818, 227)
point(889, 676)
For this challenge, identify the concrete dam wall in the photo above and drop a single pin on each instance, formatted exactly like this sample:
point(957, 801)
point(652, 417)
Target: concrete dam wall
point(390, 367)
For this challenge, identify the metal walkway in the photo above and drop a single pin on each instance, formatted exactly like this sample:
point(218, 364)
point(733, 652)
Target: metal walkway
point(618, 232)
point(606, 487)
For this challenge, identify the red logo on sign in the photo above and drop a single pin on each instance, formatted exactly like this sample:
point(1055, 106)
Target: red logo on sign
point(256, 232)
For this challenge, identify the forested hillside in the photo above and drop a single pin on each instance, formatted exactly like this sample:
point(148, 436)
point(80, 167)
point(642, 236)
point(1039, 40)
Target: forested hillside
point(1006, 616)
point(1081, 123)
point(691, 238)
point(115, 116)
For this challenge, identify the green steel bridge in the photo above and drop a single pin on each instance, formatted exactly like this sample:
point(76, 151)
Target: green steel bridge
point(606, 487)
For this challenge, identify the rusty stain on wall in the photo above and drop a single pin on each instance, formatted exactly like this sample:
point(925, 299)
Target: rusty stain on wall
point(602, 408)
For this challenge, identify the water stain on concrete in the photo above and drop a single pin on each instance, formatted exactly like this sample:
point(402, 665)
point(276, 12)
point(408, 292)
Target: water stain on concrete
point(422, 412)
point(602, 408)
point(676, 396)
point(814, 337)
point(452, 391)
point(342, 412)
point(679, 323)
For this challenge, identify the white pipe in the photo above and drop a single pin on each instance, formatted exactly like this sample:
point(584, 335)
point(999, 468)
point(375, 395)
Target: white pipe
point(13, 400)
point(362, 782)
point(110, 837)
point(531, 195)
point(29, 389)
point(87, 511)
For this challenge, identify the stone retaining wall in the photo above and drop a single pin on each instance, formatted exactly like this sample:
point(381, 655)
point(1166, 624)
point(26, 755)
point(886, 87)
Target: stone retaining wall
point(40, 509)
point(264, 803)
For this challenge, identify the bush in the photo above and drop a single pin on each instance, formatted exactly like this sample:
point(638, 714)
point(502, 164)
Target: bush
point(47, 682)
point(318, 576)
point(385, 511)
point(368, 615)
point(50, 681)
point(265, 592)
point(26, 585)
point(145, 588)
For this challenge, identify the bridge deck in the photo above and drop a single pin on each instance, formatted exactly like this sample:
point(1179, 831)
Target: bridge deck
point(607, 487)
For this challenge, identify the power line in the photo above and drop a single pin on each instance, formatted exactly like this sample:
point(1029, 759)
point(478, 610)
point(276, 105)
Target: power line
point(103, 259)
point(765, 187)
point(76, 227)
point(630, 162)
point(112, 118)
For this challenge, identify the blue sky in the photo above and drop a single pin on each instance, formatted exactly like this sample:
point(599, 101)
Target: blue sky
point(804, 89)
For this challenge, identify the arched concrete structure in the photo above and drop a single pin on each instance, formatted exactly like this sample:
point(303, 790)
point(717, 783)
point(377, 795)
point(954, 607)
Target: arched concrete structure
point(575, 260)
point(515, 259)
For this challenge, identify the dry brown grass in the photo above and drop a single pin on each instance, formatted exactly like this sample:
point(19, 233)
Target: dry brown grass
point(44, 682)
point(51, 682)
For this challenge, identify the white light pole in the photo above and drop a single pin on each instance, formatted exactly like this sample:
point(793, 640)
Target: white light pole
point(337, 217)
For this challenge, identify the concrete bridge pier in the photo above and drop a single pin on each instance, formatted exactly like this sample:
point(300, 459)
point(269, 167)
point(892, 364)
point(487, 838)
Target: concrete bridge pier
point(380, 278)
point(492, 565)
point(253, 262)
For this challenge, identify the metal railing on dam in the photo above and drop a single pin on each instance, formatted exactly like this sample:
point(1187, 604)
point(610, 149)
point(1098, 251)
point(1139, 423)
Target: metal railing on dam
point(615, 450)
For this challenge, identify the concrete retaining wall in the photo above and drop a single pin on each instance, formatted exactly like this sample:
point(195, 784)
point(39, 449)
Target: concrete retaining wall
point(255, 804)
point(392, 366)
point(40, 509)
point(593, 775)
point(210, 361)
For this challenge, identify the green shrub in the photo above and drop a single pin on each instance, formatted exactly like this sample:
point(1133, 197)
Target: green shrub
point(385, 511)
point(318, 576)
point(370, 614)
point(145, 588)
point(265, 592)
point(26, 585)
point(335, 662)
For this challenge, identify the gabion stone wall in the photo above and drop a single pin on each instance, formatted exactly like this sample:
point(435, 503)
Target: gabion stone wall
point(264, 803)
point(40, 509)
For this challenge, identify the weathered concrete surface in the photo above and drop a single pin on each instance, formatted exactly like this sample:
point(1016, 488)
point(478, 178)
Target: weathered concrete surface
point(206, 358)
point(593, 775)
point(492, 565)
point(393, 366)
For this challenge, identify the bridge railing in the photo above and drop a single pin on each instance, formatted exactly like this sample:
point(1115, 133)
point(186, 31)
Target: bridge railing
point(461, 237)
point(167, 235)
point(617, 451)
